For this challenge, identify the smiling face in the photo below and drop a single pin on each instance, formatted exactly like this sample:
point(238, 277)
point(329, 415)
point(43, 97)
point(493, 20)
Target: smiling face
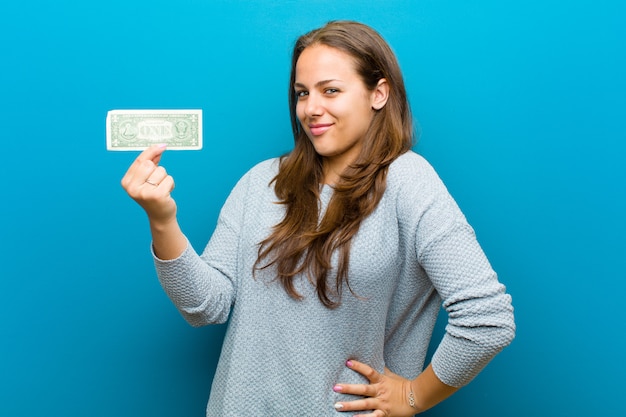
point(334, 107)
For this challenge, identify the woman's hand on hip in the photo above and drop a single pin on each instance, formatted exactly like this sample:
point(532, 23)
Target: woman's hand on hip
point(387, 394)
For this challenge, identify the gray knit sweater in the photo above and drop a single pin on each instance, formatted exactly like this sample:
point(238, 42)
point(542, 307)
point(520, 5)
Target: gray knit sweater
point(281, 357)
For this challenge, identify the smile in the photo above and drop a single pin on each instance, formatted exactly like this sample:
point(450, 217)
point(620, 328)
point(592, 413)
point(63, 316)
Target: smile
point(318, 129)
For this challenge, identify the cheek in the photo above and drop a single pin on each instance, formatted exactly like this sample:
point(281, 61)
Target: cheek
point(299, 111)
point(301, 118)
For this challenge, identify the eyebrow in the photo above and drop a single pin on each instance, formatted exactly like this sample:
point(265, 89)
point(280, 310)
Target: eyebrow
point(317, 84)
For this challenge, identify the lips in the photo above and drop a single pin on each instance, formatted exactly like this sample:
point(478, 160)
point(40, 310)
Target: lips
point(319, 128)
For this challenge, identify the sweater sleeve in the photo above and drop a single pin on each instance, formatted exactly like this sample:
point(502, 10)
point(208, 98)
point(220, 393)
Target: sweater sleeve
point(203, 288)
point(480, 312)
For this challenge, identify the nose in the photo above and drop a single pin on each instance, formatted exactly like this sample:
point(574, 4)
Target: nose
point(313, 105)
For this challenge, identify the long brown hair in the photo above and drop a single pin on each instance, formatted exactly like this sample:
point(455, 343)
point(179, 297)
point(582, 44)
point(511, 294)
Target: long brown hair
point(301, 242)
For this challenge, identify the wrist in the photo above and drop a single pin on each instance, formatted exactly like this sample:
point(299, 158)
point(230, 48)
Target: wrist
point(168, 241)
point(411, 398)
point(163, 225)
point(428, 390)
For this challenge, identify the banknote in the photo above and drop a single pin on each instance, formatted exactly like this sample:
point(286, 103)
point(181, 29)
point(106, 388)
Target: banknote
point(132, 130)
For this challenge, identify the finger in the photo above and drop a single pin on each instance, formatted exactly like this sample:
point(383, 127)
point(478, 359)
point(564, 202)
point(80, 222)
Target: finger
point(148, 159)
point(153, 153)
point(155, 199)
point(366, 404)
point(362, 390)
point(151, 189)
point(156, 176)
point(148, 173)
point(136, 177)
point(167, 184)
point(367, 371)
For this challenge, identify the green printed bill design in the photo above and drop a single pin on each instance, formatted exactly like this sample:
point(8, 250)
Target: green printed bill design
point(136, 130)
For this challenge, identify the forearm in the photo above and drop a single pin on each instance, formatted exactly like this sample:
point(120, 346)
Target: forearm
point(428, 390)
point(168, 241)
point(201, 293)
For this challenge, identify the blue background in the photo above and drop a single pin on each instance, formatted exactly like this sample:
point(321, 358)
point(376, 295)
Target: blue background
point(522, 107)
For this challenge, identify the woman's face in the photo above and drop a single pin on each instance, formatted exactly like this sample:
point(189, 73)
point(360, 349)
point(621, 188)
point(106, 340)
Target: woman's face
point(333, 105)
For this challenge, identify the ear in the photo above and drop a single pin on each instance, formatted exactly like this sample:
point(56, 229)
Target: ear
point(380, 95)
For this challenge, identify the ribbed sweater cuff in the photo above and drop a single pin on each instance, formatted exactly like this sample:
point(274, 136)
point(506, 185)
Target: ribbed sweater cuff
point(457, 361)
point(158, 260)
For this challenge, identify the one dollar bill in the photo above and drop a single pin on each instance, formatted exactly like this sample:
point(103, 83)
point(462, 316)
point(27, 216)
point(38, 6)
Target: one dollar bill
point(133, 130)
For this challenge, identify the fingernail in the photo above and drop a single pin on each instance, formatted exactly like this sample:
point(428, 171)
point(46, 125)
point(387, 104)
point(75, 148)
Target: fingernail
point(337, 388)
point(349, 363)
point(162, 145)
point(338, 406)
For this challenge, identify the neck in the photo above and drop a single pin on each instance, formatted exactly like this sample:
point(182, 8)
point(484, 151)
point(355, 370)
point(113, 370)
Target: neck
point(332, 168)
point(331, 173)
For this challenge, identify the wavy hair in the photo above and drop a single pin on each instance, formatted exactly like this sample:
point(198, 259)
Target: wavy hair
point(302, 242)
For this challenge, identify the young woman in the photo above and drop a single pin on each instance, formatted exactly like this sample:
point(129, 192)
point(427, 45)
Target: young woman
point(331, 263)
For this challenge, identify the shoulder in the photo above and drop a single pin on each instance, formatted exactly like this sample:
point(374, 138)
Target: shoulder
point(267, 168)
point(256, 181)
point(411, 170)
point(260, 175)
point(253, 188)
point(419, 194)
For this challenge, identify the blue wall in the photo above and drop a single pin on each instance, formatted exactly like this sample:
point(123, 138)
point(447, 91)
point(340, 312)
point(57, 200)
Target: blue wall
point(522, 107)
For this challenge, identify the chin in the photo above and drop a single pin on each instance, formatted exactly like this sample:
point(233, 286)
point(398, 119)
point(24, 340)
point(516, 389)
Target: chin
point(325, 153)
